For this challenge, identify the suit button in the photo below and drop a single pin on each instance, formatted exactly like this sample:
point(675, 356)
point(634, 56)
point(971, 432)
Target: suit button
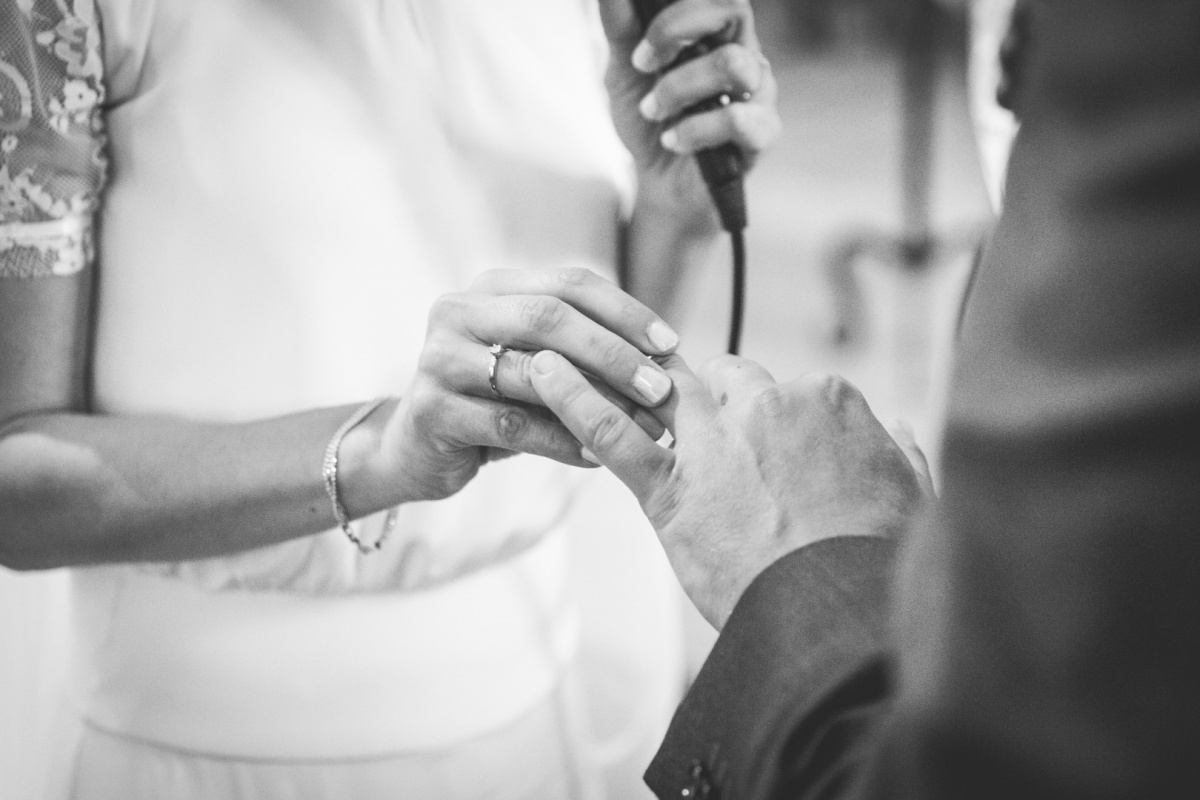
point(699, 785)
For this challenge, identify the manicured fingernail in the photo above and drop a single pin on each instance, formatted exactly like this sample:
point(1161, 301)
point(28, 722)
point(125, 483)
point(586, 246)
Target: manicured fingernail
point(649, 106)
point(643, 57)
point(589, 456)
point(545, 362)
point(651, 384)
point(662, 337)
point(670, 140)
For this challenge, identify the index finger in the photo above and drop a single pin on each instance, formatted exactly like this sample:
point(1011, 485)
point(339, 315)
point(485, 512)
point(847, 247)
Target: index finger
point(615, 440)
point(594, 297)
point(681, 24)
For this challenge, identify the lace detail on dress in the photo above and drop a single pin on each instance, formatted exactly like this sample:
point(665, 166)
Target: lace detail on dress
point(52, 143)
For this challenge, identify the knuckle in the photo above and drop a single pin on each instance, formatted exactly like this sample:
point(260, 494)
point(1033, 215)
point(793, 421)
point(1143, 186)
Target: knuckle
point(572, 393)
point(612, 356)
point(542, 314)
point(484, 281)
point(770, 402)
point(691, 129)
point(740, 117)
point(834, 391)
point(671, 95)
point(668, 502)
point(822, 385)
point(840, 393)
point(744, 68)
point(729, 60)
point(520, 361)
point(740, 11)
point(607, 428)
point(425, 403)
point(445, 307)
point(511, 423)
point(577, 277)
point(434, 356)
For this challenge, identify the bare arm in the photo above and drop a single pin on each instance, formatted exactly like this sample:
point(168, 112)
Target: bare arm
point(80, 487)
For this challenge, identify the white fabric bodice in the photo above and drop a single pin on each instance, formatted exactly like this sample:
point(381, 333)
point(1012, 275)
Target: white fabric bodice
point(292, 185)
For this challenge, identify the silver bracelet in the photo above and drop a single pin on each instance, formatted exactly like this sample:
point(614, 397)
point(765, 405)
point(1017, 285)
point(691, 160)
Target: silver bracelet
point(329, 470)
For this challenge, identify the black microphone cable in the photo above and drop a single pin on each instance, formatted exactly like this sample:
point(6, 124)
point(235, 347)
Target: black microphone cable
point(723, 169)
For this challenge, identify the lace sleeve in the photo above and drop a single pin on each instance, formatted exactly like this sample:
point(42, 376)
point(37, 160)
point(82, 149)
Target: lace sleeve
point(52, 159)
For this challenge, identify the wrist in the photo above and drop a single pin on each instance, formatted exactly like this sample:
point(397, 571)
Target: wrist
point(367, 480)
point(678, 205)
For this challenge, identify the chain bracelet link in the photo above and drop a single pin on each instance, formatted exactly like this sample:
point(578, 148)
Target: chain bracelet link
point(329, 471)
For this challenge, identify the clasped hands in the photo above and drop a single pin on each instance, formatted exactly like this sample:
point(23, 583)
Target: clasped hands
point(756, 469)
point(589, 376)
point(450, 422)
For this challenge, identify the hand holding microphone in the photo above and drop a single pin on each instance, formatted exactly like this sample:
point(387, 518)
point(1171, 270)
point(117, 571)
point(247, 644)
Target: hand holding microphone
point(688, 77)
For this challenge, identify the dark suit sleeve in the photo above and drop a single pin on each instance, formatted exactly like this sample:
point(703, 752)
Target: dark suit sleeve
point(793, 682)
point(1047, 625)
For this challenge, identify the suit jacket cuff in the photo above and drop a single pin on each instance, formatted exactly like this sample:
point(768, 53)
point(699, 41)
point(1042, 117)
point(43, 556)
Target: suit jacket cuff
point(805, 625)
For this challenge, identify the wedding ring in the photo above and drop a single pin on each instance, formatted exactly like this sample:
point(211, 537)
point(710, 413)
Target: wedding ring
point(495, 351)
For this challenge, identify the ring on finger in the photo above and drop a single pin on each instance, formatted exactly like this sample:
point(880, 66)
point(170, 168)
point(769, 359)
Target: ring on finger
point(495, 351)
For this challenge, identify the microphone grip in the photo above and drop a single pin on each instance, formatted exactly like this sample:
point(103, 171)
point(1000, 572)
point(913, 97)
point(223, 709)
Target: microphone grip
point(721, 167)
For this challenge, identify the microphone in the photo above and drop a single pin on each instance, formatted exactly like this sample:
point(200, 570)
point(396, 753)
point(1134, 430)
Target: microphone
point(721, 167)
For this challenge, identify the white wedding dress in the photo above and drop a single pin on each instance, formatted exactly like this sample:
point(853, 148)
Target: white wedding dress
point(292, 183)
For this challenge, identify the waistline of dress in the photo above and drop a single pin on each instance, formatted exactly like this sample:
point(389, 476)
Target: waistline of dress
point(275, 676)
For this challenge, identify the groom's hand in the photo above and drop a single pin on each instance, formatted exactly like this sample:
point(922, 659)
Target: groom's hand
point(758, 469)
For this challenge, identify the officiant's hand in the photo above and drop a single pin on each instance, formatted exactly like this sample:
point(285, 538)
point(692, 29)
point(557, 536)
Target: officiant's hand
point(758, 469)
point(466, 406)
point(648, 99)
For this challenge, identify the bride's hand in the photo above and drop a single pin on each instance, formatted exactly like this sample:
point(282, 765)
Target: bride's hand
point(649, 100)
point(450, 422)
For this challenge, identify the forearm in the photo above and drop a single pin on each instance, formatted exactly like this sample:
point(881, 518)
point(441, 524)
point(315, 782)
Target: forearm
point(84, 489)
point(670, 236)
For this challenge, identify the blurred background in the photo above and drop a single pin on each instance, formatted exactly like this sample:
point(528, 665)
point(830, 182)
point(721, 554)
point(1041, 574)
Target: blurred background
point(854, 268)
